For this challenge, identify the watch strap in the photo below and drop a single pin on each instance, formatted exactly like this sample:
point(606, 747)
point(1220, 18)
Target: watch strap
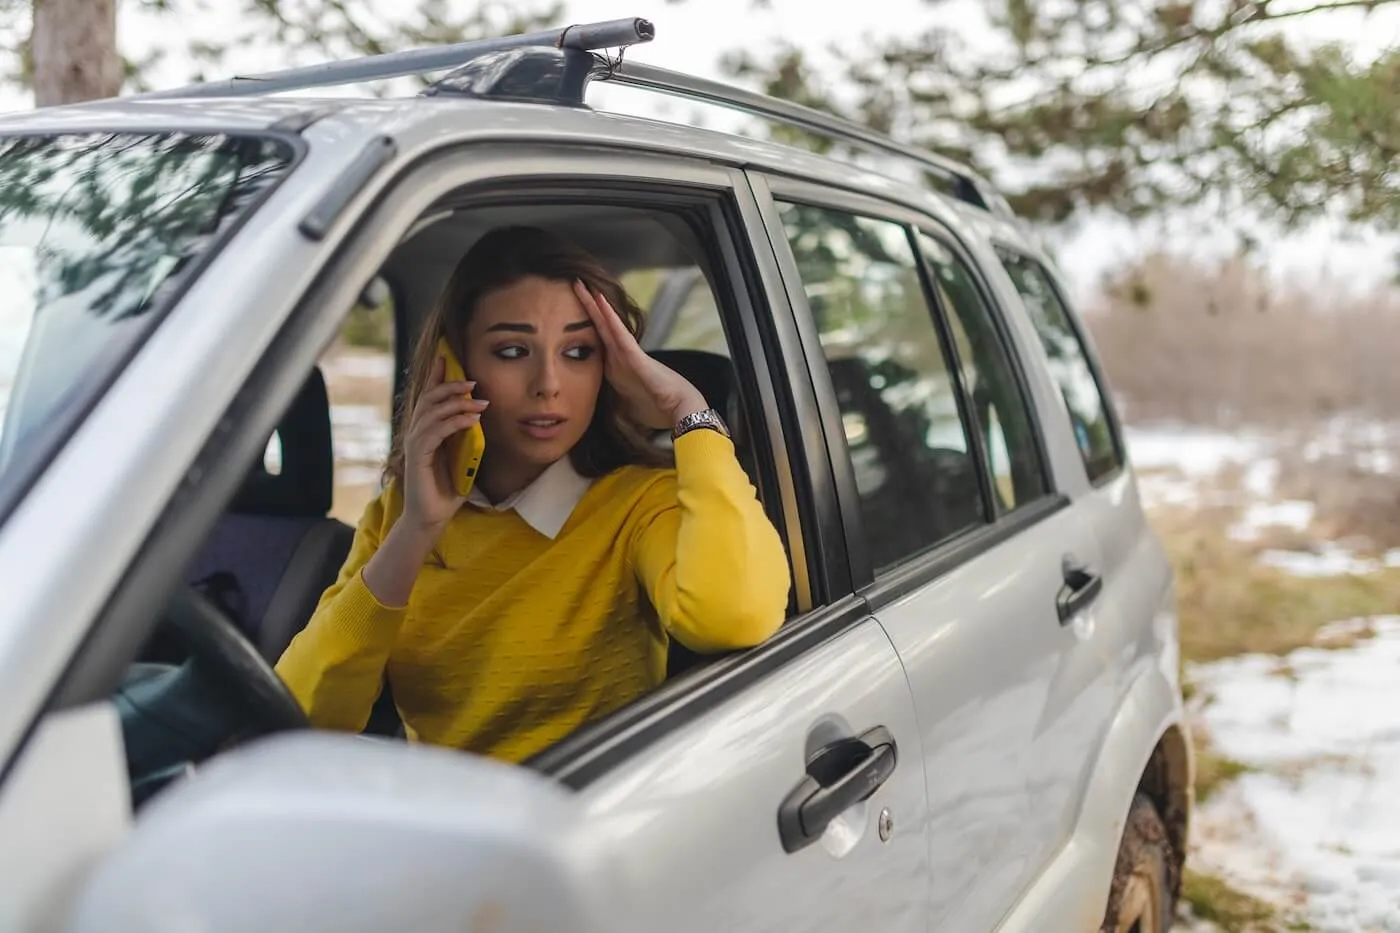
point(695, 421)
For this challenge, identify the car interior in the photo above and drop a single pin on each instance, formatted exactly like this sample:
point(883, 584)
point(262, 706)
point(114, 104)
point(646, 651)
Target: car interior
point(204, 677)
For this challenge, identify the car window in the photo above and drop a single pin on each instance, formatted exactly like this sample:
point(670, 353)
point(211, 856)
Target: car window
point(1084, 398)
point(914, 466)
point(1000, 411)
point(95, 230)
point(682, 313)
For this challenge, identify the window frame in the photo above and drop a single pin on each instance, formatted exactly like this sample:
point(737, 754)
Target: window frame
point(839, 448)
point(1003, 248)
point(938, 560)
point(317, 312)
point(1011, 350)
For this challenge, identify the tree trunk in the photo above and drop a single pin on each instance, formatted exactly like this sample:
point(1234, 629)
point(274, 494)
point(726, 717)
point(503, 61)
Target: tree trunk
point(74, 46)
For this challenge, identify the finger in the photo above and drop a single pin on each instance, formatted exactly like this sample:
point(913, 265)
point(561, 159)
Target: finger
point(622, 338)
point(436, 374)
point(447, 408)
point(591, 308)
point(443, 392)
point(449, 427)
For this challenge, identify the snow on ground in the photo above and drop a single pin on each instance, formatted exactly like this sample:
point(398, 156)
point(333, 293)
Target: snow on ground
point(1317, 825)
point(1314, 826)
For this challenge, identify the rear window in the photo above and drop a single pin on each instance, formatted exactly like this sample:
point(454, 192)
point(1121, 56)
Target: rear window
point(97, 233)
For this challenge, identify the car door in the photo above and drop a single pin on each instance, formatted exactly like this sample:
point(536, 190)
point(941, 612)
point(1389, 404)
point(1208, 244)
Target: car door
point(960, 543)
point(780, 789)
point(1133, 568)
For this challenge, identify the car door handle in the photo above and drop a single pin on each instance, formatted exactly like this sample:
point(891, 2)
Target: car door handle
point(1082, 586)
point(839, 776)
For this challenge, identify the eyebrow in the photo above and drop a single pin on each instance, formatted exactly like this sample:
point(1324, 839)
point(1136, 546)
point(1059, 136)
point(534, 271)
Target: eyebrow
point(530, 328)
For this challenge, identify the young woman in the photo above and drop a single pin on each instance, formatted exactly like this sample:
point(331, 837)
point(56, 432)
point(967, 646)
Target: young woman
point(548, 596)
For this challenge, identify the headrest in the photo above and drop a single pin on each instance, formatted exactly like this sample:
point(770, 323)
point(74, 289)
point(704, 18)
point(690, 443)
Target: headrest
point(713, 374)
point(306, 482)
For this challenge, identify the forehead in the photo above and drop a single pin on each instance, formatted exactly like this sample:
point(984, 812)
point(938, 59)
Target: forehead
point(529, 299)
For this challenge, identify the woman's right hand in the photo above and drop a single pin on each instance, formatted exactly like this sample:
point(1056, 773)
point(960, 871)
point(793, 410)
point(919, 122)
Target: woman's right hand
point(442, 410)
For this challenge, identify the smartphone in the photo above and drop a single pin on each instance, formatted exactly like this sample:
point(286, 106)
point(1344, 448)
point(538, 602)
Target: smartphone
point(465, 448)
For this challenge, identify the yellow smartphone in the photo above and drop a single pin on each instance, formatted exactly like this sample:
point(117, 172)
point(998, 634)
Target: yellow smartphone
point(465, 448)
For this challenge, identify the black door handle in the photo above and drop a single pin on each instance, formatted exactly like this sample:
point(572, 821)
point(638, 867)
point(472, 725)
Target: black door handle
point(839, 776)
point(1082, 587)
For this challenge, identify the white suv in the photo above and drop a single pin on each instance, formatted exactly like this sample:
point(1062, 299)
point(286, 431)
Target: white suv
point(970, 721)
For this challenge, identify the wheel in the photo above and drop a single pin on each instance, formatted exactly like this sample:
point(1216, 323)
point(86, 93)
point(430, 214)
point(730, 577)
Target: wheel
point(1141, 898)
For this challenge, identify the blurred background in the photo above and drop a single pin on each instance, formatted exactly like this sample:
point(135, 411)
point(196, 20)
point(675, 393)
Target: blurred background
point(1219, 181)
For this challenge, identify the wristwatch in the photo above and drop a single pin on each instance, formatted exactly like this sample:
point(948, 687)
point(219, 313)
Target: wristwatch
point(708, 419)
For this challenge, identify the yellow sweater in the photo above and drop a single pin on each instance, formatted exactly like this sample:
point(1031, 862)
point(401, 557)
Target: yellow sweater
point(520, 639)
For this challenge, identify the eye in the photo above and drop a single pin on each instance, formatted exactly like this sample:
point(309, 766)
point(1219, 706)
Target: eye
point(579, 353)
point(513, 352)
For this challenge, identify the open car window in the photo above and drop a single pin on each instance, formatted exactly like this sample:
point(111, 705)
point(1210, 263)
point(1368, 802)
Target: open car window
point(97, 232)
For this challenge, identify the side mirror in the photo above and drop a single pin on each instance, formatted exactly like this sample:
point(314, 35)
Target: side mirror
point(320, 831)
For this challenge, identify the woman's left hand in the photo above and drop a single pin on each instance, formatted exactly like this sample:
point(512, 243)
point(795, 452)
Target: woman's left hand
point(652, 393)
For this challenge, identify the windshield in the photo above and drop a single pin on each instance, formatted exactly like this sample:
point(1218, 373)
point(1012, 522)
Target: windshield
point(97, 232)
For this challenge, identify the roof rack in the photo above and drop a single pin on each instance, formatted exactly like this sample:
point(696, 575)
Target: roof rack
point(617, 33)
point(964, 182)
point(556, 65)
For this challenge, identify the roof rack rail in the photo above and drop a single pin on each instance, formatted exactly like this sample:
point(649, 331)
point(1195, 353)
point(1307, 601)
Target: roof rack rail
point(964, 182)
point(556, 65)
point(588, 37)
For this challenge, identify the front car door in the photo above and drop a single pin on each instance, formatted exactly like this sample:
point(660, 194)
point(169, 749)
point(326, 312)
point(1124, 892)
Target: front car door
point(697, 793)
point(959, 541)
point(778, 789)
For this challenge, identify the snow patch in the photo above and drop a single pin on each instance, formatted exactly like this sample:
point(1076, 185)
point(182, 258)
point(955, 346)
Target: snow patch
point(1320, 815)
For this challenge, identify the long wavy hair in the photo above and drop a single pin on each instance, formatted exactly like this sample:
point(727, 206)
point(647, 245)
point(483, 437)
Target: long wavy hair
point(499, 259)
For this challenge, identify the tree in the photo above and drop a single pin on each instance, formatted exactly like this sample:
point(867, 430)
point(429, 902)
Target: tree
point(67, 50)
point(1133, 105)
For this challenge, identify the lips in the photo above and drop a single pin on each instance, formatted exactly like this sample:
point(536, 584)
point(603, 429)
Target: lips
point(543, 427)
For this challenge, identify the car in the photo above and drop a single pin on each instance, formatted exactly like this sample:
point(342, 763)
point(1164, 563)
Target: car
point(971, 718)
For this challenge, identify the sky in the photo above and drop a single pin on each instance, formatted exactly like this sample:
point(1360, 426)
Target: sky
point(691, 37)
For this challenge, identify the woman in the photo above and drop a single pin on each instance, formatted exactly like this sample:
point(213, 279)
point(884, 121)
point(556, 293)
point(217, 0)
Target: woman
point(547, 597)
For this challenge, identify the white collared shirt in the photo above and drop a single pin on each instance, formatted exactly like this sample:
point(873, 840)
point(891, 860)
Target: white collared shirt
point(545, 504)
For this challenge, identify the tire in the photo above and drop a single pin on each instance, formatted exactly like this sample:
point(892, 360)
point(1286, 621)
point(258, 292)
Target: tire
point(1142, 897)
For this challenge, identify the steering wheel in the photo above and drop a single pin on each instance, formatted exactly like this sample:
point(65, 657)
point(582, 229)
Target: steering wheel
point(223, 655)
point(173, 715)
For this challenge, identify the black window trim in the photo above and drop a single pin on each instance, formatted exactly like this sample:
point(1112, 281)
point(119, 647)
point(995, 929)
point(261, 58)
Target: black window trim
point(997, 312)
point(967, 412)
point(937, 559)
point(1115, 427)
point(131, 610)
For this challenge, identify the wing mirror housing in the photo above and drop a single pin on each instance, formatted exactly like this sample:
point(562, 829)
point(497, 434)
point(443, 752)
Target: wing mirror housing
point(318, 831)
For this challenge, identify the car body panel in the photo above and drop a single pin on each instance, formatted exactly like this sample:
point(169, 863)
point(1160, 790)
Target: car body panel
point(697, 815)
point(1006, 697)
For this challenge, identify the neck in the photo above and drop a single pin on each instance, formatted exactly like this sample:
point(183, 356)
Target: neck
point(498, 479)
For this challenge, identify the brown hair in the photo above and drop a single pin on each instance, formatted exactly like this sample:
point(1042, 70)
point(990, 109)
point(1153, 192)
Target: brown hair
point(501, 258)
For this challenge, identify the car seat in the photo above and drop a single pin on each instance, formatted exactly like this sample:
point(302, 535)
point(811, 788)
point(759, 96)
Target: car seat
point(276, 550)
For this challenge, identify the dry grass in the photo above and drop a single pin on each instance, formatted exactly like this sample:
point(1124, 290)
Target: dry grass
point(1216, 344)
point(1230, 604)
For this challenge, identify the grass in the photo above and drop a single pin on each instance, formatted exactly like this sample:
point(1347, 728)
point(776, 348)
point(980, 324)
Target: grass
point(1233, 911)
point(1230, 604)
point(1213, 770)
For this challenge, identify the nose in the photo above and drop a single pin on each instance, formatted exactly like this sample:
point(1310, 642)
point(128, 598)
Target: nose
point(546, 377)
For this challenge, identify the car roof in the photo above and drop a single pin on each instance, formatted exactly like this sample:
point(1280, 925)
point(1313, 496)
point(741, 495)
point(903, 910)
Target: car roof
point(351, 122)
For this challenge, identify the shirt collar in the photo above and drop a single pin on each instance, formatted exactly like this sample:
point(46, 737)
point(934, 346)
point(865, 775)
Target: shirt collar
point(545, 504)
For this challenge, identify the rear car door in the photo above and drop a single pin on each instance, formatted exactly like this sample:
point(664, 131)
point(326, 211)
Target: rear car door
point(959, 542)
point(1133, 567)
